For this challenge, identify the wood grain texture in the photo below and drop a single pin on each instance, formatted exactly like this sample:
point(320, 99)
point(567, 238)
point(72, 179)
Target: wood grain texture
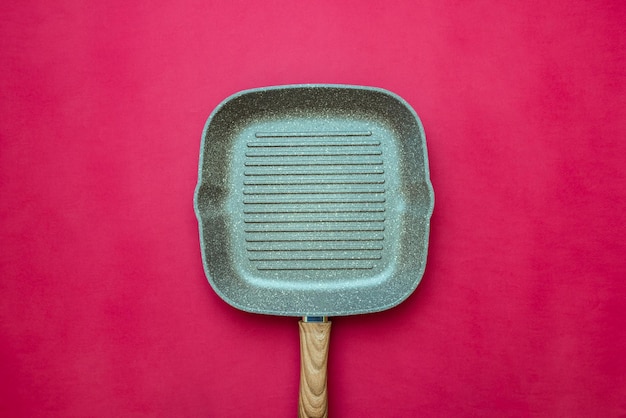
point(313, 399)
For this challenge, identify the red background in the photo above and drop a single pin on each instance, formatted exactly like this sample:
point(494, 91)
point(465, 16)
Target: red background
point(104, 307)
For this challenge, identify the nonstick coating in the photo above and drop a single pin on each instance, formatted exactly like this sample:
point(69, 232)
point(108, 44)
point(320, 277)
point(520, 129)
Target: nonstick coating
point(314, 200)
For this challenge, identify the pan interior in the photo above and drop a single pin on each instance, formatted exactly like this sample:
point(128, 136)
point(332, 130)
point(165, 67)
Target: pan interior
point(314, 200)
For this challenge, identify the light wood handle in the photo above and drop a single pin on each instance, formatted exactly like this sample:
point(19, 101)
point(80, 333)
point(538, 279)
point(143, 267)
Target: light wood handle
point(313, 400)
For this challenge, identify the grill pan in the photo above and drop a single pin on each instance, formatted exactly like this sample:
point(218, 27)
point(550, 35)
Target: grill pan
point(314, 201)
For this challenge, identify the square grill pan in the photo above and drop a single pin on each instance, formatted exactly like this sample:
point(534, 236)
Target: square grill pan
point(314, 200)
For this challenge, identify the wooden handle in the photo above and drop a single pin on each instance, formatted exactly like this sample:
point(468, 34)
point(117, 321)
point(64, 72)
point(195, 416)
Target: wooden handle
point(313, 400)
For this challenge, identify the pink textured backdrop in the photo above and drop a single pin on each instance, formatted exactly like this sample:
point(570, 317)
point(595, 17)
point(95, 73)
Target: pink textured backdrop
point(104, 307)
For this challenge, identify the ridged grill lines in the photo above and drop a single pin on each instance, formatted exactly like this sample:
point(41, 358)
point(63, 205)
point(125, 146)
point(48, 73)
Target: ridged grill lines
point(312, 134)
point(314, 201)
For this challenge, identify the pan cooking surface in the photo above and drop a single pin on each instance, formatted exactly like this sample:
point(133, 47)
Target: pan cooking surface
point(314, 200)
